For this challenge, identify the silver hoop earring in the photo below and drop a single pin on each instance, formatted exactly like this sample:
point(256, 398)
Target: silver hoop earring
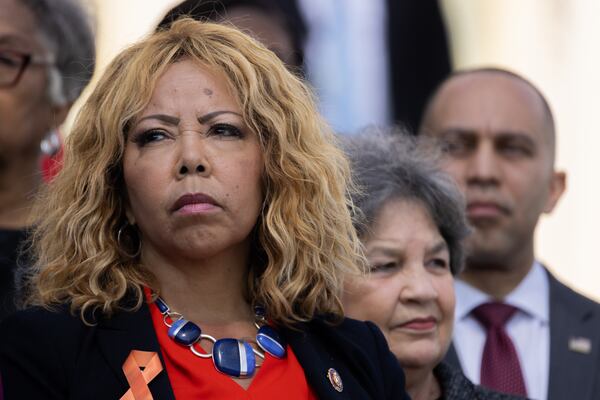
point(122, 242)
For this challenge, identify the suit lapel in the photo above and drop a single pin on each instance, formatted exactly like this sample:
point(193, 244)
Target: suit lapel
point(127, 331)
point(316, 361)
point(574, 344)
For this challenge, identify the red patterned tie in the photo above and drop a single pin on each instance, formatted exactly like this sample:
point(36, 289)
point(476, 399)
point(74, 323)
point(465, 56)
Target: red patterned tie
point(500, 368)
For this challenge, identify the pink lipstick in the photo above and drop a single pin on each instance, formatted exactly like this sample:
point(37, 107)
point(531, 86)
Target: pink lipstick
point(193, 203)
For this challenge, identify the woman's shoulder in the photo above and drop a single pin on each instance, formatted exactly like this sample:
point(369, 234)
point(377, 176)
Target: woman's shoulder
point(358, 348)
point(37, 325)
point(349, 329)
point(41, 317)
point(39, 349)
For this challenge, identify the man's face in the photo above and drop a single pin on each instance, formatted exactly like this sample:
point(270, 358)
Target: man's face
point(498, 144)
point(26, 113)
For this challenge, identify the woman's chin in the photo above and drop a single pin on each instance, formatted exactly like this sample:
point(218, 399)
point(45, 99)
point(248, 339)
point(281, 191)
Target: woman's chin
point(418, 357)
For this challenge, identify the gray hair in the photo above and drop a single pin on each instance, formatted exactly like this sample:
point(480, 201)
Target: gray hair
point(391, 164)
point(66, 31)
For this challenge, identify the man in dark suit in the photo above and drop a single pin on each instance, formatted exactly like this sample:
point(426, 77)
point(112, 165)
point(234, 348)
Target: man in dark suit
point(498, 137)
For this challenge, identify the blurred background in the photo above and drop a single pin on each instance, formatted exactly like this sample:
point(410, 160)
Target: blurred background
point(553, 43)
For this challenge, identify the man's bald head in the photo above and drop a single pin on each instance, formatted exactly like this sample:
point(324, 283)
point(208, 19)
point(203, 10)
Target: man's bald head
point(479, 76)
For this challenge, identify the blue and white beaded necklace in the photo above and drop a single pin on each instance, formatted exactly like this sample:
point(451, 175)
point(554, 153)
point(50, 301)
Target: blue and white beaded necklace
point(234, 357)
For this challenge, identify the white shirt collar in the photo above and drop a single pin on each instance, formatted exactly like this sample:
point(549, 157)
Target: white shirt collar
point(530, 296)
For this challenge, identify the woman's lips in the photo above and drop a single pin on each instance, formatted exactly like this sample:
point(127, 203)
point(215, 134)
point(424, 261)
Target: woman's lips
point(420, 324)
point(193, 203)
point(196, 208)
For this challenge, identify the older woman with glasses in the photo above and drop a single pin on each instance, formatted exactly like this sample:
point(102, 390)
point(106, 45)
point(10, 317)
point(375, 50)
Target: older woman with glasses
point(412, 225)
point(46, 59)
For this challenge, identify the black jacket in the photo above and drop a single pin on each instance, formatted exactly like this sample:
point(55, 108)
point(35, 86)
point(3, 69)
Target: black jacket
point(10, 246)
point(54, 355)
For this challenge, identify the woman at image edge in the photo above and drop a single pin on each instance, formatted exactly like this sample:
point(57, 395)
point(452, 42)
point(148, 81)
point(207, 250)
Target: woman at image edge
point(201, 199)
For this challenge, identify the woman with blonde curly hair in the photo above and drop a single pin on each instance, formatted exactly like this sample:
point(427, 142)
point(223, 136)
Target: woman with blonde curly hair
point(198, 230)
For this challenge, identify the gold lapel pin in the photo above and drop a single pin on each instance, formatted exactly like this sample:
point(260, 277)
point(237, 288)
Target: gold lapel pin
point(580, 345)
point(335, 379)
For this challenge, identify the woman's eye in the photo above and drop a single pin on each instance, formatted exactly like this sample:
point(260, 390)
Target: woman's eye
point(151, 136)
point(225, 131)
point(439, 263)
point(8, 61)
point(382, 267)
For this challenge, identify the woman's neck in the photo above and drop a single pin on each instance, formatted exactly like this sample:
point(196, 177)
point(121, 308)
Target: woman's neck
point(421, 384)
point(19, 182)
point(209, 291)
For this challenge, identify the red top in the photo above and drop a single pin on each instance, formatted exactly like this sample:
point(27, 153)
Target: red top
point(195, 378)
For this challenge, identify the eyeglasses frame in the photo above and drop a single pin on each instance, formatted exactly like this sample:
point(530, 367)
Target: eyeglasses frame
point(26, 60)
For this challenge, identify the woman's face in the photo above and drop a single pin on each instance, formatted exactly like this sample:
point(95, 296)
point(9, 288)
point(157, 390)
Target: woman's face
point(26, 112)
point(192, 168)
point(409, 293)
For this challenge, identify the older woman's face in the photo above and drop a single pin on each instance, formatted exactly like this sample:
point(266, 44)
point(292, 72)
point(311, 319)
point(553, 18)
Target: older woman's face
point(26, 113)
point(409, 293)
point(192, 167)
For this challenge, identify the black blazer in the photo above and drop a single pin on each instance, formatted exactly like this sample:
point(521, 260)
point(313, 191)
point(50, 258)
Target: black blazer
point(54, 355)
point(573, 374)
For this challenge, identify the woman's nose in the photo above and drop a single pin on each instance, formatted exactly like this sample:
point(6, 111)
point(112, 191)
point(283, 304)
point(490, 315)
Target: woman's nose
point(193, 159)
point(418, 286)
point(184, 169)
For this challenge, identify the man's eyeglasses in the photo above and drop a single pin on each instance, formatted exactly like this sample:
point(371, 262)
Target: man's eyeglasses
point(13, 64)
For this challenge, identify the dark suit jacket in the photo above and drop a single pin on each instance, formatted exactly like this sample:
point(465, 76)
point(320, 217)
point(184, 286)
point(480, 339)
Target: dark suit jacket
point(419, 56)
point(53, 355)
point(573, 375)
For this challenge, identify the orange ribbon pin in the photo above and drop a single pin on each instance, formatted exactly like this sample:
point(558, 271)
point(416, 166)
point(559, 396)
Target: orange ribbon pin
point(137, 378)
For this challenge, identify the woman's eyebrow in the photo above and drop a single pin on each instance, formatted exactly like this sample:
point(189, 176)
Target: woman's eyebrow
point(169, 119)
point(207, 117)
point(438, 247)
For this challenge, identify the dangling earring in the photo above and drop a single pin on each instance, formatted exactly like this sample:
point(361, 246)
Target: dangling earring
point(50, 145)
point(125, 241)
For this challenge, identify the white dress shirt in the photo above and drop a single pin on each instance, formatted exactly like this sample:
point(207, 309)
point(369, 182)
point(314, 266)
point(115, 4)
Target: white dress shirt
point(529, 329)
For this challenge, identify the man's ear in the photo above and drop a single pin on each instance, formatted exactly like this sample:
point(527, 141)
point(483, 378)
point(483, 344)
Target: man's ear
point(558, 185)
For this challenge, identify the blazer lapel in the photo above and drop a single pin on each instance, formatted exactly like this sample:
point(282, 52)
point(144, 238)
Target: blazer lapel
point(574, 344)
point(127, 331)
point(316, 362)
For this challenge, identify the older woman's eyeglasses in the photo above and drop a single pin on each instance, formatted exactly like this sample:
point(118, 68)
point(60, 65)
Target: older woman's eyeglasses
point(13, 64)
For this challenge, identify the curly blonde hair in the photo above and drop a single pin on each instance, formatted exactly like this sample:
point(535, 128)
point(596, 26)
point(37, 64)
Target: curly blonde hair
point(304, 237)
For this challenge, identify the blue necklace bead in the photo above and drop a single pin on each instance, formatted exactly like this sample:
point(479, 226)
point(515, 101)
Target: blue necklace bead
point(234, 357)
point(162, 306)
point(270, 341)
point(260, 311)
point(184, 332)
